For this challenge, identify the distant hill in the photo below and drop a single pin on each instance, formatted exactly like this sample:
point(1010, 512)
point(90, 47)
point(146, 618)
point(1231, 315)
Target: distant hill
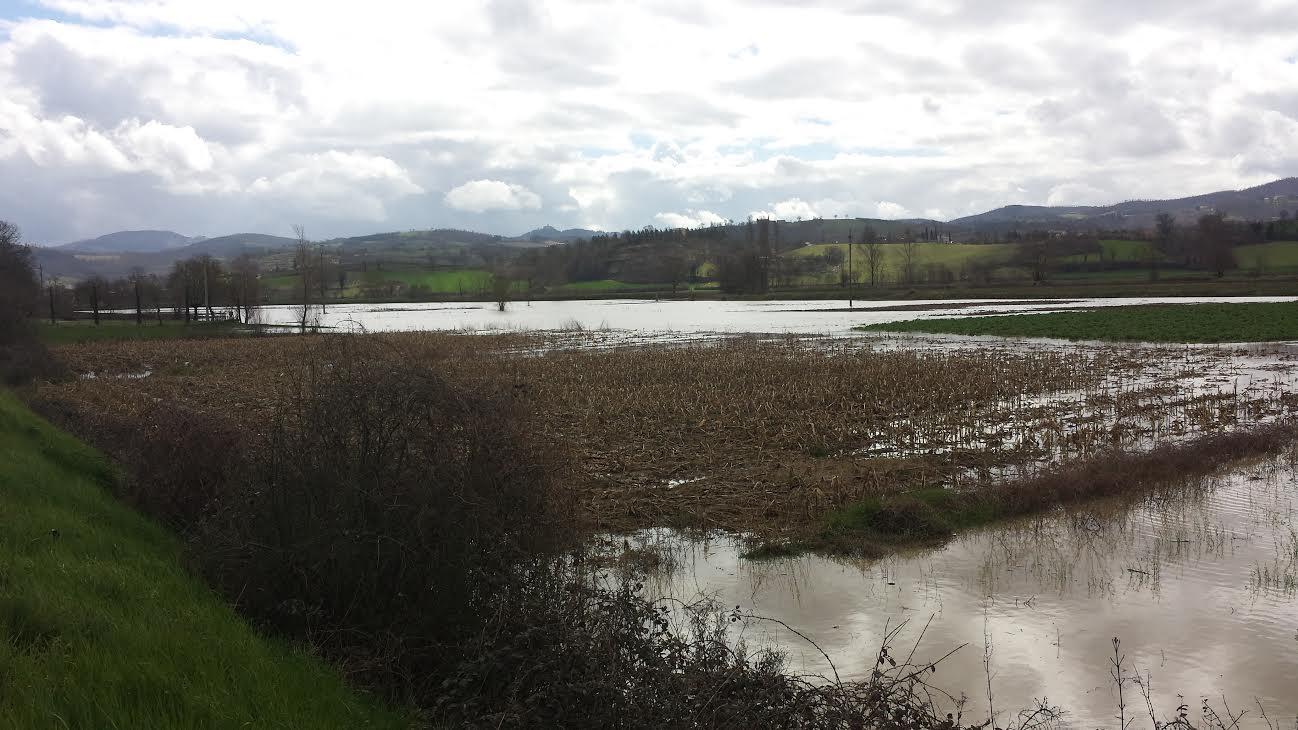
point(633, 253)
point(134, 241)
point(550, 233)
point(423, 239)
point(235, 244)
point(1264, 202)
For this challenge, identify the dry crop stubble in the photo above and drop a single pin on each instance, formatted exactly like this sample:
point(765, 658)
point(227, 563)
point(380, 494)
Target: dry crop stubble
point(764, 436)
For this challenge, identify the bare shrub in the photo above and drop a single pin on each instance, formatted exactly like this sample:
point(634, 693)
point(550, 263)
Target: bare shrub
point(386, 509)
point(564, 651)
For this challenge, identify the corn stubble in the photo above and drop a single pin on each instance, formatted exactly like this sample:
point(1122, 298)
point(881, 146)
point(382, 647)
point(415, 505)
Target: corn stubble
point(764, 436)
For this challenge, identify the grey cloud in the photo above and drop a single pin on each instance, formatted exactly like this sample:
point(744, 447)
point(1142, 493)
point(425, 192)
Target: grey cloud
point(1103, 16)
point(66, 82)
point(685, 108)
point(578, 116)
point(1009, 66)
point(551, 67)
point(1285, 102)
point(509, 16)
point(804, 78)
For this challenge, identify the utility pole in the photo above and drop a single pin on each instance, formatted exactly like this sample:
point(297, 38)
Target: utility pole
point(139, 313)
point(851, 303)
point(207, 301)
point(51, 288)
point(323, 308)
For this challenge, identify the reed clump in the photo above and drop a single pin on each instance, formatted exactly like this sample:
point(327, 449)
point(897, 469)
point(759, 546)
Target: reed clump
point(934, 514)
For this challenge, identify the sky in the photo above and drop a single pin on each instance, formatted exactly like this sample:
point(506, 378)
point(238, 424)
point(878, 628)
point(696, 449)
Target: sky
point(501, 116)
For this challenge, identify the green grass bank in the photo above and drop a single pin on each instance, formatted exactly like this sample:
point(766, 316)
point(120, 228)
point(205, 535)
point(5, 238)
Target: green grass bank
point(103, 626)
point(1242, 322)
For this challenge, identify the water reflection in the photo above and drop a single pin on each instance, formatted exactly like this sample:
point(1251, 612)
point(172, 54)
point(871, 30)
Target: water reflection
point(681, 317)
point(1176, 577)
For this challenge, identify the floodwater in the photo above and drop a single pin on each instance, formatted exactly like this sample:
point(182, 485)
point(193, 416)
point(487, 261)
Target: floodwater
point(1200, 588)
point(819, 317)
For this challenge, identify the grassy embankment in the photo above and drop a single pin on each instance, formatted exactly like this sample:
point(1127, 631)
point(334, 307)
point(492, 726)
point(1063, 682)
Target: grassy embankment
point(104, 627)
point(1244, 322)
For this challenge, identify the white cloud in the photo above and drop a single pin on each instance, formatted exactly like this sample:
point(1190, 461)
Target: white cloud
point(1079, 194)
point(480, 196)
point(688, 219)
point(338, 185)
point(164, 147)
point(888, 211)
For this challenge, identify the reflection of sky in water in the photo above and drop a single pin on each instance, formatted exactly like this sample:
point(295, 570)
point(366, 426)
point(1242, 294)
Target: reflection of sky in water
point(806, 317)
point(1172, 578)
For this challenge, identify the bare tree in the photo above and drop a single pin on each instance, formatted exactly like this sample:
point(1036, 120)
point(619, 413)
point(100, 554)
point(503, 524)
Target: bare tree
point(873, 254)
point(500, 284)
point(1216, 244)
point(909, 261)
point(305, 263)
point(1165, 228)
point(246, 287)
point(136, 278)
point(95, 285)
point(19, 289)
point(676, 268)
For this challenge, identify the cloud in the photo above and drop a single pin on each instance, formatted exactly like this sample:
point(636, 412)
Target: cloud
point(480, 196)
point(338, 184)
point(891, 211)
point(217, 116)
point(689, 219)
point(1080, 194)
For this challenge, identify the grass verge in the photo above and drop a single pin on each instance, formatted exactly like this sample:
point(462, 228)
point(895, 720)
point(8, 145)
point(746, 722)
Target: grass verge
point(1244, 322)
point(103, 626)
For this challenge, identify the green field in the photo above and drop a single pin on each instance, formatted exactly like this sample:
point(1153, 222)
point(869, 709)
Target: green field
point(951, 255)
point(105, 628)
point(1245, 322)
point(437, 281)
point(85, 330)
point(1276, 257)
point(612, 286)
point(1111, 250)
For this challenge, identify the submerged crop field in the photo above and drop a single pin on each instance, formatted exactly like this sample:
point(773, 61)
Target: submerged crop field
point(1243, 322)
point(783, 439)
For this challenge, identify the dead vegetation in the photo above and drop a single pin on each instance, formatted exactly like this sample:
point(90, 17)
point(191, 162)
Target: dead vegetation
point(760, 436)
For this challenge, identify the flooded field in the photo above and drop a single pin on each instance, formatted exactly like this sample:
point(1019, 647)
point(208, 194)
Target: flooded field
point(683, 317)
point(1200, 587)
point(737, 423)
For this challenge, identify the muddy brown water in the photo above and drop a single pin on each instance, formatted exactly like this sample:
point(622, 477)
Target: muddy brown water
point(1200, 587)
